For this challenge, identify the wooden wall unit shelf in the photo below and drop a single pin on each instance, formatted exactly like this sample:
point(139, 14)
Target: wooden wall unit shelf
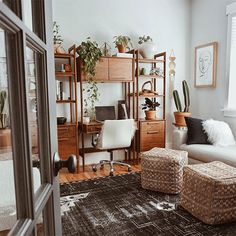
point(68, 132)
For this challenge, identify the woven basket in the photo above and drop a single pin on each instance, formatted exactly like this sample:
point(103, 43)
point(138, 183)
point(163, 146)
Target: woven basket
point(162, 169)
point(209, 192)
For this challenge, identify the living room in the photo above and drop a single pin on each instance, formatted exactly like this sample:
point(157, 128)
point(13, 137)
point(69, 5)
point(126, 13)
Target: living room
point(154, 186)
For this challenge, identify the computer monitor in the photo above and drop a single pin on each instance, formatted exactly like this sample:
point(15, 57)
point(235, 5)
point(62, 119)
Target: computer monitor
point(105, 113)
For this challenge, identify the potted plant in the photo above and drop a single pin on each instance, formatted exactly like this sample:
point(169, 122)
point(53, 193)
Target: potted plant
point(3, 115)
point(122, 43)
point(57, 39)
point(90, 53)
point(150, 108)
point(181, 113)
point(147, 48)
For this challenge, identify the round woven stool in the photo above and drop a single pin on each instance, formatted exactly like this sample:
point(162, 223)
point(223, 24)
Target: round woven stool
point(162, 169)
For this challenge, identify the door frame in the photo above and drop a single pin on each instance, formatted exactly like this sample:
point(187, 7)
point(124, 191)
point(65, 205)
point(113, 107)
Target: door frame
point(47, 198)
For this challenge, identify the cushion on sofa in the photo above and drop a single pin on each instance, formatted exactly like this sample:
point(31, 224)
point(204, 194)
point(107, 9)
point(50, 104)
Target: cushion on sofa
point(195, 134)
point(208, 153)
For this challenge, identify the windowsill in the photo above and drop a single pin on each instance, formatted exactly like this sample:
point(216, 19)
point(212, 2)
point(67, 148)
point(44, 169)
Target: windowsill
point(229, 112)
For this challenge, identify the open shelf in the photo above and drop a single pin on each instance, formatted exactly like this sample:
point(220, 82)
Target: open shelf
point(147, 95)
point(63, 55)
point(151, 76)
point(150, 61)
point(64, 74)
point(65, 101)
point(67, 124)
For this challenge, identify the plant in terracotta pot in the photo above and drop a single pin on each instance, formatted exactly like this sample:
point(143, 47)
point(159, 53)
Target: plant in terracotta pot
point(150, 107)
point(181, 113)
point(148, 47)
point(57, 39)
point(3, 115)
point(122, 43)
point(90, 53)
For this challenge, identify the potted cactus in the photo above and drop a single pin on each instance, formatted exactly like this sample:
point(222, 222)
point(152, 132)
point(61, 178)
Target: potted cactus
point(181, 113)
point(3, 115)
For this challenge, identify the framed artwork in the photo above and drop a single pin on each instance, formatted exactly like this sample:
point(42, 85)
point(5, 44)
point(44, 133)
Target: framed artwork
point(205, 65)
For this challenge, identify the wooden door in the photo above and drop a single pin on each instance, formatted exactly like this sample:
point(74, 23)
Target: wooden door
point(120, 69)
point(27, 80)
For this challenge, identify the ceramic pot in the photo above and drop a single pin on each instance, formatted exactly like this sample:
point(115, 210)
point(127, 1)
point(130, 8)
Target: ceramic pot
point(150, 115)
point(86, 119)
point(3, 121)
point(121, 48)
point(57, 48)
point(179, 118)
point(148, 50)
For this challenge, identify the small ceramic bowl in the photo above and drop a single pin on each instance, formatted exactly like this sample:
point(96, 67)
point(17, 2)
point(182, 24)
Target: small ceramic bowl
point(61, 120)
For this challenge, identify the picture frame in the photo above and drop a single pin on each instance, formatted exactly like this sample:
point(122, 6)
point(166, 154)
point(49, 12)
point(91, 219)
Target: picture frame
point(205, 65)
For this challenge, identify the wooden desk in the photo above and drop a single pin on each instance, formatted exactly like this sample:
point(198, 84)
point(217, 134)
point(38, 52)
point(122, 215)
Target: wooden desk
point(91, 128)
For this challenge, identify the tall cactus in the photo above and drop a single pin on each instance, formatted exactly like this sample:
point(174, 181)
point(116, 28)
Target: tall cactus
point(3, 97)
point(186, 96)
point(177, 101)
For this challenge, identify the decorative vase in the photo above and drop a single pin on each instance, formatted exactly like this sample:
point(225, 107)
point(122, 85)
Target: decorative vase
point(179, 118)
point(121, 48)
point(57, 48)
point(150, 115)
point(86, 119)
point(148, 50)
point(3, 121)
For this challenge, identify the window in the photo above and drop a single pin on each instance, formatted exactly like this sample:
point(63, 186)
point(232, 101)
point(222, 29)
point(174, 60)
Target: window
point(231, 57)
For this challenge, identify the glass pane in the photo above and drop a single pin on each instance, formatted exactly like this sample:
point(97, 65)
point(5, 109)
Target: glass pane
point(32, 80)
point(7, 198)
point(12, 4)
point(33, 16)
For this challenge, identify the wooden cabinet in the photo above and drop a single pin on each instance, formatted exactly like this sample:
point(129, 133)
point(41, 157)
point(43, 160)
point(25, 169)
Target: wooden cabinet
point(110, 69)
point(67, 140)
point(151, 134)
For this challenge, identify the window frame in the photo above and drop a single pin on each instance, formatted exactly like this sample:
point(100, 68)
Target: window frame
point(230, 12)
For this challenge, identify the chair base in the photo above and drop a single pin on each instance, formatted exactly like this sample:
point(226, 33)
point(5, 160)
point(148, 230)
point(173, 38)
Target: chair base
point(111, 163)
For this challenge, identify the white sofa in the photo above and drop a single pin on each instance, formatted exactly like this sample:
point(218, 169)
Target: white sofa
point(199, 153)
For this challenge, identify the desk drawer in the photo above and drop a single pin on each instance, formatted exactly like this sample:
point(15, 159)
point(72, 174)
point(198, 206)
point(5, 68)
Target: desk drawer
point(66, 132)
point(152, 126)
point(92, 128)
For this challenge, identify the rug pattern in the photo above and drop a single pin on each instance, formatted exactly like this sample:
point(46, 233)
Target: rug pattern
point(119, 206)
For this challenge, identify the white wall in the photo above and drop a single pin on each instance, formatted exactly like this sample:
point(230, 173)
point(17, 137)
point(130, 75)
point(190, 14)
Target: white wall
point(167, 22)
point(209, 23)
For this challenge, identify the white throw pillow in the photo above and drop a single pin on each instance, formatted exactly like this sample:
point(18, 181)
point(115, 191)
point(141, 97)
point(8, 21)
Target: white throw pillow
point(218, 132)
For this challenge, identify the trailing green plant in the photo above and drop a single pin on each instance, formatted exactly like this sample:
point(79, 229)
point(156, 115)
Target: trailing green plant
point(57, 39)
point(186, 98)
point(123, 40)
point(150, 105)
point(3, 98)
point(144, 38)
point(90, 53)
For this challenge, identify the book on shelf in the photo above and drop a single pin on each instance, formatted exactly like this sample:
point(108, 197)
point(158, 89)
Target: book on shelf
point(119, 54)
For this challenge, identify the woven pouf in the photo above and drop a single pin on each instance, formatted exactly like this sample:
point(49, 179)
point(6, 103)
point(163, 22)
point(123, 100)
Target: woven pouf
point(209, 192)
point(162, 169)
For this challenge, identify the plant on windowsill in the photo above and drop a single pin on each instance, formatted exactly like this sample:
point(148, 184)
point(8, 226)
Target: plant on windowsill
point(181, 113)
point(3, 115)
point(90, 53)
point(57, 39)
point(150, 107)
point(122, 43)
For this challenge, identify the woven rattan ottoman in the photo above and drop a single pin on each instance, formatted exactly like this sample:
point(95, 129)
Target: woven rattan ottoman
point(209, 192)
point(162, 169)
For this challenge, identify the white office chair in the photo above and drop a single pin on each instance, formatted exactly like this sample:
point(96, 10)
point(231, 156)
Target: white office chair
point(115, 135)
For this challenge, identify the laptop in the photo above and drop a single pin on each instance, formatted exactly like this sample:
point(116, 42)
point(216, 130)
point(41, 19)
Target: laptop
point(105, 113)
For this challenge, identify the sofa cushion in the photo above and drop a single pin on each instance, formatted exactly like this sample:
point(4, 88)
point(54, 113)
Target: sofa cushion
point(195, 134)
point(208, 153)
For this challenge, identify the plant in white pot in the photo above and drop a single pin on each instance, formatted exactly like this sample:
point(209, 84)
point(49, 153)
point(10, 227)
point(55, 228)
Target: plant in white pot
point(3, 115)
point(57, 39)
point(148, 48)
point(150, 107)
point(181, 113)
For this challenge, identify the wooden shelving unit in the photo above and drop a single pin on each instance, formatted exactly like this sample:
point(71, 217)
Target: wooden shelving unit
point(68, 142)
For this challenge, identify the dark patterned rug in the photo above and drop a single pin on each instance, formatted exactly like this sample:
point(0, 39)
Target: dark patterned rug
point(119, 206)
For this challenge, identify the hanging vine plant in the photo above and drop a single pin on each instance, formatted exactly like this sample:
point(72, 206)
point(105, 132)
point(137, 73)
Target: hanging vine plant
point(90, 53)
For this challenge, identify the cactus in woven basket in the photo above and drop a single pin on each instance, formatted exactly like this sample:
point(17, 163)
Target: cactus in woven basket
point(186, 98)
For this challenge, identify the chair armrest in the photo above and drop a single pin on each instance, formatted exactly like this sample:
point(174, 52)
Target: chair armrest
point(179, 138)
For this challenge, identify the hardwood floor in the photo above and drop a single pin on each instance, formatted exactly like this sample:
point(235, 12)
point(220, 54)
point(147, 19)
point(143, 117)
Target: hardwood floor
point(89, 174)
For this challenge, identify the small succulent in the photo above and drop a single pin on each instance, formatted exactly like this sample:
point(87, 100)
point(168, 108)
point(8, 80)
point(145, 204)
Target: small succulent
point(144, 38)
point(150, 105)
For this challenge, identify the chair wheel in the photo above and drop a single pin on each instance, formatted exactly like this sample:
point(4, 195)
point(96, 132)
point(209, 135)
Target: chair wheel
point(111, 173)
point(129, 169)
point(94, 169)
